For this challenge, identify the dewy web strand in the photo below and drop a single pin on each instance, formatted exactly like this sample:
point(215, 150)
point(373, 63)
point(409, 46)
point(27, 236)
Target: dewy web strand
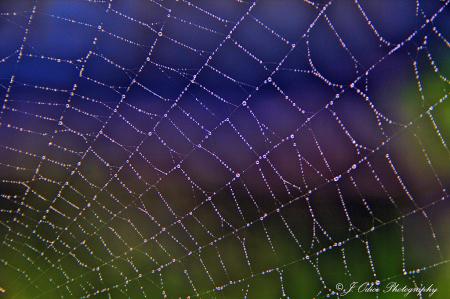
point(221, 150)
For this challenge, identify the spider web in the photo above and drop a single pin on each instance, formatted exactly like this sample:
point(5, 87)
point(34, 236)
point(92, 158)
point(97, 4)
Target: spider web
point(223, 149)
